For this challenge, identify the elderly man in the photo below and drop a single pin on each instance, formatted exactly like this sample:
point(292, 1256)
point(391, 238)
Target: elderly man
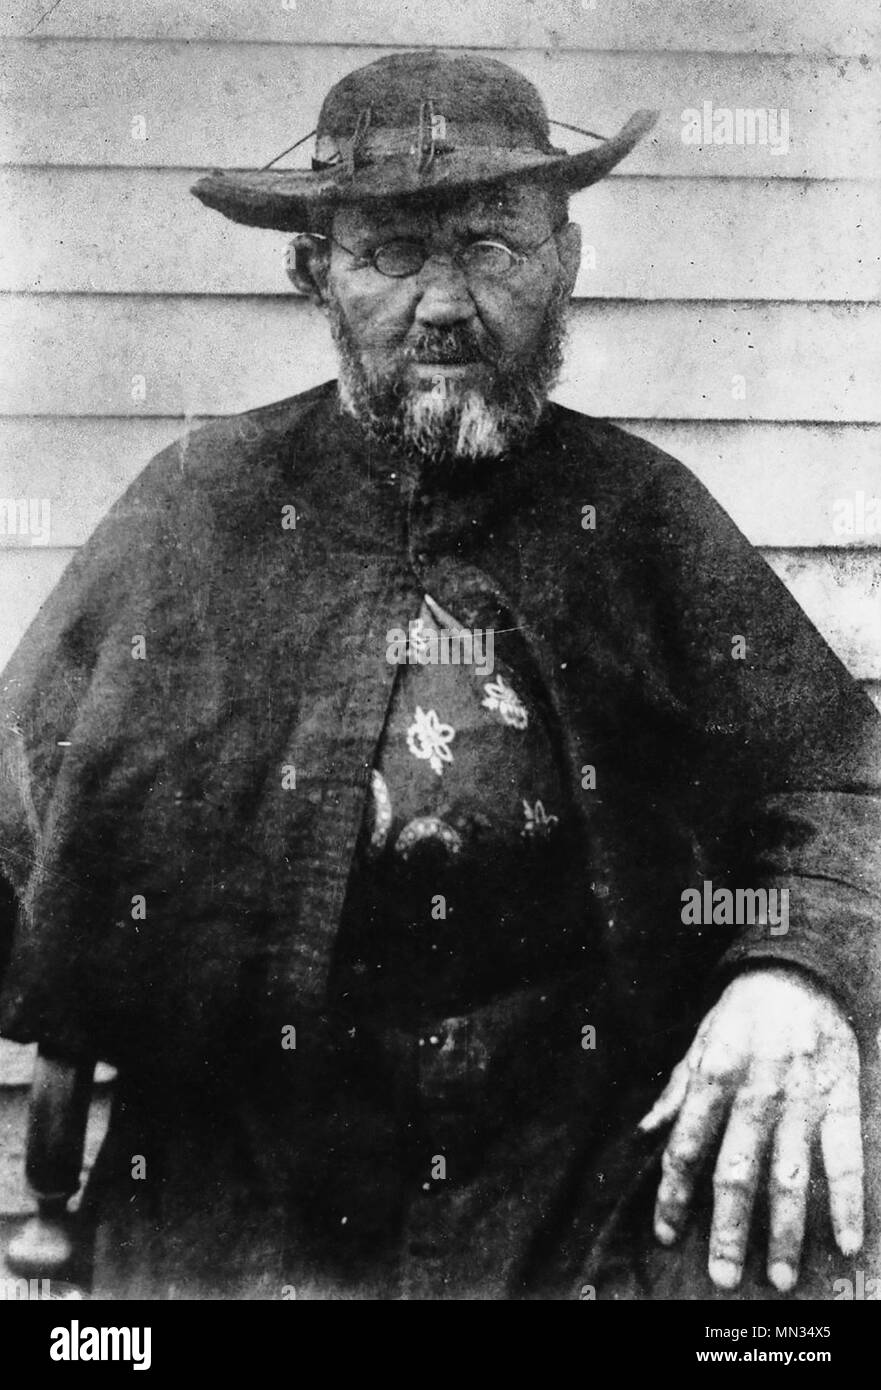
point(404, 770)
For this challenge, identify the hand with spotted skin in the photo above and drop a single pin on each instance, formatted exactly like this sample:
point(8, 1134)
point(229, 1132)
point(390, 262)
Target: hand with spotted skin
point(776, 1064)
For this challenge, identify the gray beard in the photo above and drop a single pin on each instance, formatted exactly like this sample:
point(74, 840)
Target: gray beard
point(449, 419)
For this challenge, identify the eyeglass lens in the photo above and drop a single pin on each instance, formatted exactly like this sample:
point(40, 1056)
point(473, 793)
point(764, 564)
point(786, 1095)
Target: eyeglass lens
point(403, 257)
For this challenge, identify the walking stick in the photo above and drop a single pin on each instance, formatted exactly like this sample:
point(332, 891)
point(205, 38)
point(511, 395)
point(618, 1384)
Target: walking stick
point(57, 1115)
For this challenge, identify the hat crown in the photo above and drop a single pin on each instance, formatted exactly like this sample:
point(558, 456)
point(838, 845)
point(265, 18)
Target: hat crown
point(473, 94)
point(416, 125)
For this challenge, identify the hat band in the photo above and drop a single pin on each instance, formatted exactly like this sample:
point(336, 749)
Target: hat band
point(384, 142)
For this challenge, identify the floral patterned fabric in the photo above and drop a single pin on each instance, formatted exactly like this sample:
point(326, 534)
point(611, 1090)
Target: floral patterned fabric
point(465, 877)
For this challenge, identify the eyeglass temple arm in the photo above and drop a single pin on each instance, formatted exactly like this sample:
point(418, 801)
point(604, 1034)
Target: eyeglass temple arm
point(320, 236)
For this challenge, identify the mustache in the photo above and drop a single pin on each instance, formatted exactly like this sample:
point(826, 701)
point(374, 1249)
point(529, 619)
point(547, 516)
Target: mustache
point(454, 346)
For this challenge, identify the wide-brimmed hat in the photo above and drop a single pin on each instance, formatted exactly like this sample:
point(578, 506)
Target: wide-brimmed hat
point(415, 124)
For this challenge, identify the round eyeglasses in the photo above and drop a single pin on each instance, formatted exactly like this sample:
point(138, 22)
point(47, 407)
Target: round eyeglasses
point(405, 256)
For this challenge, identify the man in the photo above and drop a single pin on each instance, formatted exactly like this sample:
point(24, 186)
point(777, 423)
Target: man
point(393, 949)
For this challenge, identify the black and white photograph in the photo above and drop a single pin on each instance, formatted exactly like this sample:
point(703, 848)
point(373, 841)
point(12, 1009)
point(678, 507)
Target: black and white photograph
point(440, 660)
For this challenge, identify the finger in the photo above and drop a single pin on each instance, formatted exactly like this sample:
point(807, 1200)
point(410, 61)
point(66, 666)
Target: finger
point(842, 1146)
point(736, 1178)
point(788, 1192)
point(668, 1102)
point(699, 1122)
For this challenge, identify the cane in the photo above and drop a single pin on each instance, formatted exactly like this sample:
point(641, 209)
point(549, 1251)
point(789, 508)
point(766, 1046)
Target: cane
point(57, 1116)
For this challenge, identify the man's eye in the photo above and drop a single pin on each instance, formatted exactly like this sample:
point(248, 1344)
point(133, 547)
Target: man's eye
point(489, 257)
point(402, 256)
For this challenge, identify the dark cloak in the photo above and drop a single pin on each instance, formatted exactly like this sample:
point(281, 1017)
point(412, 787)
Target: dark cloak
point(265, 649)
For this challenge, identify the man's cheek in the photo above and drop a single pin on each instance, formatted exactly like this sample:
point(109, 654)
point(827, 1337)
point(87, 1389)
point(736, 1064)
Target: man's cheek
point(500, 308)
point(374, 317)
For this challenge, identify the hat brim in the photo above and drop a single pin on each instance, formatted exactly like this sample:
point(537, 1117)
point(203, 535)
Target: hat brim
point(287, 200)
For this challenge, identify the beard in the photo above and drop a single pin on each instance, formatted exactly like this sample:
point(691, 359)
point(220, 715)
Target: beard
point(482, 415)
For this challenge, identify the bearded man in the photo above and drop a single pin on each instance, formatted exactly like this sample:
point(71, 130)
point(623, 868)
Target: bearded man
point(392, 951)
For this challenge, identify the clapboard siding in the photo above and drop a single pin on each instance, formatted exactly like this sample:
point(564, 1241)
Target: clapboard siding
point(17, 1066)
point(839, 590)
point(786, 26)
point(77, 355)
point(73, 103)
point(841, 593)
point(778, 481)
point(26, 579)
point(139, 231)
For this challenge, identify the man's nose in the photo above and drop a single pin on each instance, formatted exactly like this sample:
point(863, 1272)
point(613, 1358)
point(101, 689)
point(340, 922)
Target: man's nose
point(445, 298)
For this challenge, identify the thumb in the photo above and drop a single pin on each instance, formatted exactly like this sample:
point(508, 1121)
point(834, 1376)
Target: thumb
point(669, 1101)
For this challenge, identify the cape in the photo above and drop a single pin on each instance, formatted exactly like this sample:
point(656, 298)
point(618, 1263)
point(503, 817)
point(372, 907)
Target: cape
point(176, 892)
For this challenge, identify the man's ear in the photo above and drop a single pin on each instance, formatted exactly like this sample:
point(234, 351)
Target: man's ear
point(569, 251)
point(305, 262)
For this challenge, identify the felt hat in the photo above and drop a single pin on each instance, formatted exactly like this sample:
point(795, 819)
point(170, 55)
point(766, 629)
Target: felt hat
point(417, 124)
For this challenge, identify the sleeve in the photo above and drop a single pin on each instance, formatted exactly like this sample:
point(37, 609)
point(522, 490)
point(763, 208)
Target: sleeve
point(787, 750)
point(65, 707)
point(127, 765)
point(42, 692)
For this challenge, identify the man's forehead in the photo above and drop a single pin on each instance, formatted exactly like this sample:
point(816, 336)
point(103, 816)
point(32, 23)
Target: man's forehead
point(499, 205)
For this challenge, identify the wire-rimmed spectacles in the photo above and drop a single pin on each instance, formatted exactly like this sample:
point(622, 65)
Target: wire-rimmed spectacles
point(403, 256)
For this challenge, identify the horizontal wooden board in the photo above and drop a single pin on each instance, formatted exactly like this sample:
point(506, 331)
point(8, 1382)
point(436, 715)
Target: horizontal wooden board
point(780, 483)
point(839, 590)
point(15, 1199)
point(205, 104)
point(841, 593)
point(17, 1066)
point(80, 466)
point(27, 577)
point(92, 355)
point(16, 1063)
point(140, 231)
point(787, 26)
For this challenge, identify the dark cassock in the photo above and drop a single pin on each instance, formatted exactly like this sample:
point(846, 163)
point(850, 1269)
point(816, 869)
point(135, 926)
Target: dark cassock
point(390, 952)
point(251, 779)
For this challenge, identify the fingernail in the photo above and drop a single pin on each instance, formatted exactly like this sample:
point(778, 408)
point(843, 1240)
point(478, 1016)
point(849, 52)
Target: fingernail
point(666, 1233)
point(782, 1276)
point(724, 1274)
point(850, 1242)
